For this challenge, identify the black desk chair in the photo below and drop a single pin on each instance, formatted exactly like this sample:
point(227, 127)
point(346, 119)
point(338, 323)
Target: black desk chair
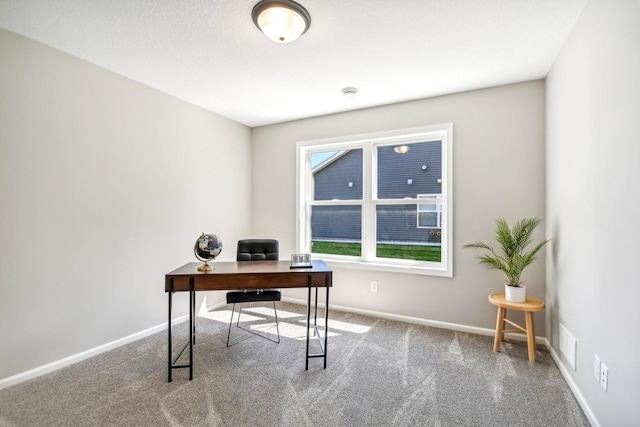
point(255, 250)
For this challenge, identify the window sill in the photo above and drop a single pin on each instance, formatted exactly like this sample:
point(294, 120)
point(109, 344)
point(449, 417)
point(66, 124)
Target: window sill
point(393, 268)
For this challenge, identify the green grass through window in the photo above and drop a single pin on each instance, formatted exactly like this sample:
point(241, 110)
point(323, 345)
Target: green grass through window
point(414, 252)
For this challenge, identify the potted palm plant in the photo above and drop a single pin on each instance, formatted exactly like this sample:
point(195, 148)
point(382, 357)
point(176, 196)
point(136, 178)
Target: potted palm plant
point(513, 259)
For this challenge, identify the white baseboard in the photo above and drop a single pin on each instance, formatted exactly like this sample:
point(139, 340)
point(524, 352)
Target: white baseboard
point(574, 388)
point(212, 307)
point(67, 361)
point(421, 321)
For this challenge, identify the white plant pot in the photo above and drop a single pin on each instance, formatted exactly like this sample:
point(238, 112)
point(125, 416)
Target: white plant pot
point(515, 293)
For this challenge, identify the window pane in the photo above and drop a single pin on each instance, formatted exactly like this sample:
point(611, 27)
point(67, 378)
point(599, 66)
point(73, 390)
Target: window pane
point(428, 219)
point(397, 235)
point(337, 175)
point(336, 230)
point(416, 169)
point(427, 207)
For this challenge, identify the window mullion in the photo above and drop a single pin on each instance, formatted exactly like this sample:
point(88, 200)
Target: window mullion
point(304, 193)
point(368, 209)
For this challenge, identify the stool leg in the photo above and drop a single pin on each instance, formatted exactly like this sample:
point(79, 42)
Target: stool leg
point(502, 312)
point(531, 336)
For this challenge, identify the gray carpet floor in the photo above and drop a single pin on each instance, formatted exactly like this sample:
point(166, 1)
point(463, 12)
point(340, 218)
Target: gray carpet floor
point(379, 373)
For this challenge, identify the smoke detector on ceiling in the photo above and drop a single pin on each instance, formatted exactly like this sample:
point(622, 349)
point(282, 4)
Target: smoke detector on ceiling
point(349, 92)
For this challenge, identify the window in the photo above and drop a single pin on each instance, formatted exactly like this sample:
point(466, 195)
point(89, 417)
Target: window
point(379, 201)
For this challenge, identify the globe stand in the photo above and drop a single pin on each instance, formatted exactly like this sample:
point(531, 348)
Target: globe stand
point(205, 267)
point(207, 248)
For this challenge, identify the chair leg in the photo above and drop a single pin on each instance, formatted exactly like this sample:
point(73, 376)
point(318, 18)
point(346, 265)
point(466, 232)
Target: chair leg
point(275, 311)
point(231, 322)
point(239, 314)
point(277, 327)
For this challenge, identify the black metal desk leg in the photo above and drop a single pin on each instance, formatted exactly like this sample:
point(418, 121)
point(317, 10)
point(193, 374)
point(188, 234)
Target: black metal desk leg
point(192, 296)
point(169, 331)
point(315, 313)
point(326, 321)
point(172, 362)
point(192, 303)
point(306, 367)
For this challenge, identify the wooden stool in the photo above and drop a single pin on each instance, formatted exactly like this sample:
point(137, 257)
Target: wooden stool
point(529, 306)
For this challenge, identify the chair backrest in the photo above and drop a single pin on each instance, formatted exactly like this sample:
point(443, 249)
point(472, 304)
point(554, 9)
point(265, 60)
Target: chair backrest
point(257, 250)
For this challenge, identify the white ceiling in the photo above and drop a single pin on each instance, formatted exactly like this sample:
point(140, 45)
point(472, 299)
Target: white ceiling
point(209, 53)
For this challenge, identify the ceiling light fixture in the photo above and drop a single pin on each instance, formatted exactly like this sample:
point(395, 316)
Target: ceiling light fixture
point(283, 21)
point(349, 92)
point(401, 149)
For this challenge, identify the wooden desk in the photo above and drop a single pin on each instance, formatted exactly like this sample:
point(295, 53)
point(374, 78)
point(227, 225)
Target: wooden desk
point(529, 306)
point(246, 275)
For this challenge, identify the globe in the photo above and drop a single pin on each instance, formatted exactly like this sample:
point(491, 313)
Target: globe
point(207, 248)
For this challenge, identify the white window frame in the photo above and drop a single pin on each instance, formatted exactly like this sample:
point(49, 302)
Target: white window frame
point(429, 200)
point(369, 202)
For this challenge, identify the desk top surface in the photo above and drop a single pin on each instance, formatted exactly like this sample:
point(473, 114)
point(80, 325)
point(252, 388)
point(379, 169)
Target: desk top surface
point(248, 275)
point(248, 267)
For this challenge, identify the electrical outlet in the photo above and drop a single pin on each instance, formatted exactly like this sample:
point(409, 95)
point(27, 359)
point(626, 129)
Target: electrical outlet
point(596, 367)
point(604, 376)
point(374, 286)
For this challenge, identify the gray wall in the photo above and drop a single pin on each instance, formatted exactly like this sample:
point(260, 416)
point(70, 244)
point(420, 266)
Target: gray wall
point(498, 145)
point(105, 185)
point(593, 171)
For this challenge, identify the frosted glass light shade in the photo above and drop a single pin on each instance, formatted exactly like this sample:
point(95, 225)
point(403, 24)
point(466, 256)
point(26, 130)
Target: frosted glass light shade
point(281, 21)
point(401, 149)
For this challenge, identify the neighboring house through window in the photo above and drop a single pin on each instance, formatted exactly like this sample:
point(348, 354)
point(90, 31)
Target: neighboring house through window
point(430, 214)
point(381, 201)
